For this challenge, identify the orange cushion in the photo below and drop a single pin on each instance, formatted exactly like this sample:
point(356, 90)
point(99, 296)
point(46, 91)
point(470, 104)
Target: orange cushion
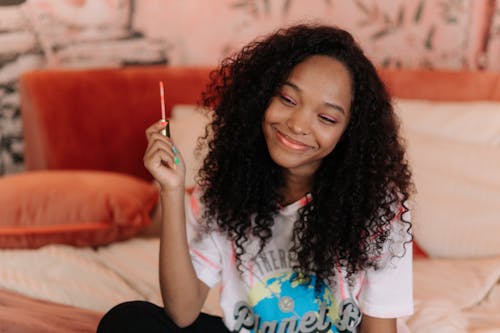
point(82, 208)
point(89, 107)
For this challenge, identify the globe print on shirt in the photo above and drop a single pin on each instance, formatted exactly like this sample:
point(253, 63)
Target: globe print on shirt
point(284, 303)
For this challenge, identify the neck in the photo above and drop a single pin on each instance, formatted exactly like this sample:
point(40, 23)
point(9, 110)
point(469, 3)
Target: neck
point(296, 186)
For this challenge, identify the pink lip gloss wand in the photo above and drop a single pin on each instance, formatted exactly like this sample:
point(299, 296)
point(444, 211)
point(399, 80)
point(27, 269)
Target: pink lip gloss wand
point(166, 130)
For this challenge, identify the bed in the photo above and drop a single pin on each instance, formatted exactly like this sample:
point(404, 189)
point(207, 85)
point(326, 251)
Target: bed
point(74, 226)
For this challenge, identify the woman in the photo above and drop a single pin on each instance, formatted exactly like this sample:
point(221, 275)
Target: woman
point(300, 211)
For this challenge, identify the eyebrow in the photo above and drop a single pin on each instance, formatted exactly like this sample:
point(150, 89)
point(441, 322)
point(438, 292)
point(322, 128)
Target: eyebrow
point(332, 105)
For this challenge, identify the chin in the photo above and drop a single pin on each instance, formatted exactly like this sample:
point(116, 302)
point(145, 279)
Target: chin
point(293, 163)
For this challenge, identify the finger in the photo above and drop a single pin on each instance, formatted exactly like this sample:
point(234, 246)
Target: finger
point(178, 159)
point(170, 163)
point(158, 147)
point(157, 139)
point(165, 140)
point(159, 160)
point(152, 128)
point(169, 152)
point(175, 158)
point(155, 128)
point(157, 142)
point(154, 146)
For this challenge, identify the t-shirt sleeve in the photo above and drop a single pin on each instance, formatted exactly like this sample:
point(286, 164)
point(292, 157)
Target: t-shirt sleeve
point(388, 291)
point(203, 248)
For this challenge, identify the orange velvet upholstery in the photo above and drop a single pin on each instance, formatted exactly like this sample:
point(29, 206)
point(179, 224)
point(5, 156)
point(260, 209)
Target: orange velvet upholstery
point(81, 208)
point(442, 85)
point(95, 119)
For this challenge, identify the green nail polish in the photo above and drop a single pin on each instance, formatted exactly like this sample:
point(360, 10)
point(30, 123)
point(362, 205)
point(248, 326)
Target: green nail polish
point(176, 160)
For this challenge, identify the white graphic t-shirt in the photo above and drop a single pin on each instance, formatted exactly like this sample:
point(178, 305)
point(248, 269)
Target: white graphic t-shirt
point(269, 297)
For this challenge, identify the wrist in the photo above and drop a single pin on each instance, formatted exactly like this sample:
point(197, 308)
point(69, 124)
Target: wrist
point(172, 192)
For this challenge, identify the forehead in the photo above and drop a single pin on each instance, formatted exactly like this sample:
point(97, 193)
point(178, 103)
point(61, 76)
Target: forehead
point(321, 66)
point(324, 76)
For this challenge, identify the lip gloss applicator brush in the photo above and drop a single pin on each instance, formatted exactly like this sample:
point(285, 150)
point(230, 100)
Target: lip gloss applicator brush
point(166, 130)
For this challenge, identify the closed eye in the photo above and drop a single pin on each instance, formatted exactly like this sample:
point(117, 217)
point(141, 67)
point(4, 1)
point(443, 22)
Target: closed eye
point(287, 100)
point(328, 119)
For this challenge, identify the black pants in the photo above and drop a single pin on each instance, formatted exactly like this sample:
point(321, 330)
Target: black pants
point(140, 316)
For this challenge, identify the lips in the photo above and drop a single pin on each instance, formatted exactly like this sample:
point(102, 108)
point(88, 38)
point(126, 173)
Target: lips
point(290, 143)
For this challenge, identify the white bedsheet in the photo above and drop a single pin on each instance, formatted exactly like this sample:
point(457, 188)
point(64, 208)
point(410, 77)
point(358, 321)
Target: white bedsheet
point(451, 296)
point(456, 296)
point(66, 275)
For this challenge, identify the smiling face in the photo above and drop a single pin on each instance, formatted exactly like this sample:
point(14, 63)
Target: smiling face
point(309, 113)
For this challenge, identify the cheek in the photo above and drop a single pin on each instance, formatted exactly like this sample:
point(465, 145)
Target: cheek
point(276, 111)
point(328, 142)
point(266, 124)
point(271, 113)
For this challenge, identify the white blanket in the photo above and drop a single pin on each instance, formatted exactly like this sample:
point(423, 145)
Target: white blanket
point(451, 295)
point(456, 296)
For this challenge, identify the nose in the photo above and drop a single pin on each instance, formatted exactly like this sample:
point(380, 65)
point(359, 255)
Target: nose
point(299, 122)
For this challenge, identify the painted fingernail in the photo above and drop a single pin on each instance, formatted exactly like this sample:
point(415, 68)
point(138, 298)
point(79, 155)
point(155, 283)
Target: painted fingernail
point(174, 150)
point(176, 160)
point(163, 122)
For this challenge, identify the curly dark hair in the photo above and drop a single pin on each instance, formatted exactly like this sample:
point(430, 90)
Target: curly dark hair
point(358, 188)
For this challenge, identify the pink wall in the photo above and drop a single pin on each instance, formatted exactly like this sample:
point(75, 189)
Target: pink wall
point(492, 59)
point(408, 33)
point(451, 34)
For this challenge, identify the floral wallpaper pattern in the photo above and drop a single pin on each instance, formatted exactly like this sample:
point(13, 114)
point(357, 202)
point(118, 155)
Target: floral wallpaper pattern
point(437, 34)
point(389, 32)
point(493, 47)
point(396, 33)
point(62, 33)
